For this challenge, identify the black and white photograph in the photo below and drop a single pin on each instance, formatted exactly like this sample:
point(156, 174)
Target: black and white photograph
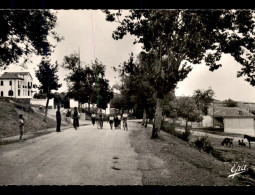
point(127, 97)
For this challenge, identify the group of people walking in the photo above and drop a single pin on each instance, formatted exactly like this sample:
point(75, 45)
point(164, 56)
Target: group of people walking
point(114, 120)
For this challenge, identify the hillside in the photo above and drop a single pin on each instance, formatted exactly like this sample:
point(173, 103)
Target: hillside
point(9, 118)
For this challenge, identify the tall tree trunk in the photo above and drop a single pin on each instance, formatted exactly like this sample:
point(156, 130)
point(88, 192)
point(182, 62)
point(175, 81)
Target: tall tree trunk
point(174, 121)
point(186, 126)
point(46, 109)
point(89, 107)
point(157, 119)
point(144, 116)
point(146, 119)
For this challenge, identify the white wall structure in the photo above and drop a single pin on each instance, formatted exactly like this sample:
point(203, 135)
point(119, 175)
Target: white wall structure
point(207, 121)
point(107, 110)
point(16, 85)
point(239, 125)
point(73, 103)
point(42, 102)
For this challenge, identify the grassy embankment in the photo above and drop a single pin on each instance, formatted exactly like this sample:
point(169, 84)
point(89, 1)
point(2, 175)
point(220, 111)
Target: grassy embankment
point(9, 118)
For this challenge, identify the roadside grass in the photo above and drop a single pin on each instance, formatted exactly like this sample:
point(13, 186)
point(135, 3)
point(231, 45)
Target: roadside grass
point(212, 146)
point(172, 161)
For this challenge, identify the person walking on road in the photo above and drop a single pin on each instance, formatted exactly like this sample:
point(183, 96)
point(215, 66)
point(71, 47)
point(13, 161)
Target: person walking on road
point(58, 118)
point(111, 118)
point(124, 119)
point(93, 118)
point(101, 120)
point(21, 126)
point(119, 121)
point(75, 118)
point(115, 120)
point(68, 116)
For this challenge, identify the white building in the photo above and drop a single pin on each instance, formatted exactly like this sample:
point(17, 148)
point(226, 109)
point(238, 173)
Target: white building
point(16, 85)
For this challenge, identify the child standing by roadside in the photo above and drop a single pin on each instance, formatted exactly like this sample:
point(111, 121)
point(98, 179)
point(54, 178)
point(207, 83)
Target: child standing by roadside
point(21, 126)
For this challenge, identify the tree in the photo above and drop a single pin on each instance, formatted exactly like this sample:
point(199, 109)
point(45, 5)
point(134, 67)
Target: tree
point(24, 32)
point(192, 109)
point(87, 85)
point(230, 103)
point(61, 99)
point(117, 102)
point(203, 99)
point(48, 78)
point(179, 37)
point(102, 93)
point(187, 109)
point(40, 95)
point(136, 91)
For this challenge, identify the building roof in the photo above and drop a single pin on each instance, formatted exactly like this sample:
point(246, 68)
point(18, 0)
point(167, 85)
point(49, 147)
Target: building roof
point(14, 75)
point(232, 112)
point(10, 75)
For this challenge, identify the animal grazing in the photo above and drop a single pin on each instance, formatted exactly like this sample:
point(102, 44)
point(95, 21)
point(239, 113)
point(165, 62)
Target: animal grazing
point(250, 139)
point(227, 141)
point(241, 143)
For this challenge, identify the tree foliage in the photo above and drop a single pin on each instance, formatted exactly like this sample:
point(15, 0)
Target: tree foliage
point(178, 38)
point(191, 109)
point(24, 32)
point(136, 91)
point(203, 99)
point(186, 108)
point(86, 83)
point(230, 103)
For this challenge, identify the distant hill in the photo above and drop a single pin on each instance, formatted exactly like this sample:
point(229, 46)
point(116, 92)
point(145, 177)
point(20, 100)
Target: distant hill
point(9, 118)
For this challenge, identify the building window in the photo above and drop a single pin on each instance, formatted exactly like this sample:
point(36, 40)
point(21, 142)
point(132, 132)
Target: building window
point(10, 93)
point(240, 112)
point(2, 83)
point(19, 92)
point(2, 93)
point(10, 83)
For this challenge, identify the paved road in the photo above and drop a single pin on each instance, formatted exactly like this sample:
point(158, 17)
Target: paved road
point(88, 156)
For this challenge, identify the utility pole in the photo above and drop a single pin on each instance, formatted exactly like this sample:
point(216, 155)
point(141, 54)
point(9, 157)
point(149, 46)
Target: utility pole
point(213, 115)
point(79, 104)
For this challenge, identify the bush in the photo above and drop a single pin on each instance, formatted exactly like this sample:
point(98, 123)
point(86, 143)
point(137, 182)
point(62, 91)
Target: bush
point(183, 135)
point(168, 127)
point(203, 143)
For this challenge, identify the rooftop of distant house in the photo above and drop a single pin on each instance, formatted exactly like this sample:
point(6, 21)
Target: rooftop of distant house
point(228, 112)
point(13, 75)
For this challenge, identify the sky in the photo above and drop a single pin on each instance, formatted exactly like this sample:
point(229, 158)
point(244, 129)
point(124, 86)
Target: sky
point(89, 32)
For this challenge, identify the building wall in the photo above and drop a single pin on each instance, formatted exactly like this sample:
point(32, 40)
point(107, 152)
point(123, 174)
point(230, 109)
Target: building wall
point(73, 103)
point(6, 87)
point(15, 87)
point(25, 90)
point(239, 125)
point(207, 121)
